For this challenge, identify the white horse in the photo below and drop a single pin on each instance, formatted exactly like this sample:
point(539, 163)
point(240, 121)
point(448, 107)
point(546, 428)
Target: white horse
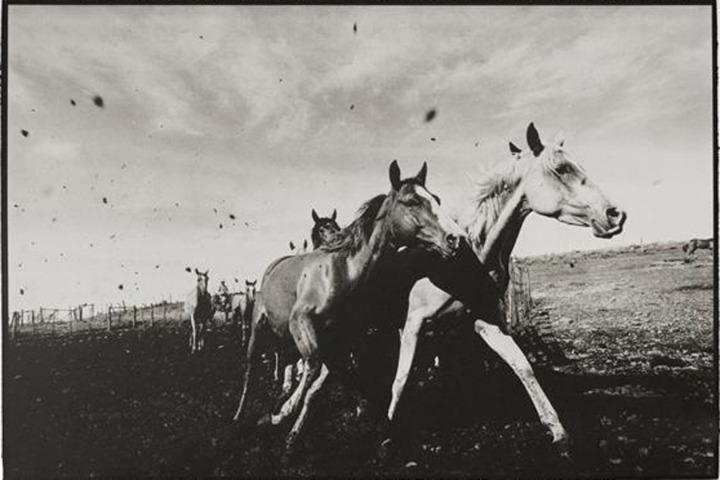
point(199, 307)
point(544, 180)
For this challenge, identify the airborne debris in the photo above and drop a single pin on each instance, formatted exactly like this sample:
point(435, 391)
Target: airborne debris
point(432, 139)
point(22, 292)
point(25, 133)
point(355, 28)
point(105, 200)
point(232, 216)
point(72, 102)
point(352, 107)
point(98, 100)
point(188, 269)
point(221, 226)
point(120, 287)
point(430, 115)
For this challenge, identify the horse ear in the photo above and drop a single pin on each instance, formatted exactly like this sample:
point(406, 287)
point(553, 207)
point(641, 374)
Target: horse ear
point(514, 148)
point(254, 282)
point(292, 246)
point(247, 284)
point(394, 175)
point(533, 140)
point(197, 271)
point(206, 272)
point(315, 217)
point(422, 174)
point(334, 215)
point(559, 139)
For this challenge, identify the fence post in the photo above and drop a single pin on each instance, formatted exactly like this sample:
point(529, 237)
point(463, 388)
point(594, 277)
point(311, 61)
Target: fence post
point(152, 314)
point(134, 315)
point(109, 317)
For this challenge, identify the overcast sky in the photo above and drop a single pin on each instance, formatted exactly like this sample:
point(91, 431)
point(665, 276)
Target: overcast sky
point(267, 112)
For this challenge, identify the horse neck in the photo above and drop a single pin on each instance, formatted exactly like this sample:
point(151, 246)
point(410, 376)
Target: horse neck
point(495, 229)
point(361, 263)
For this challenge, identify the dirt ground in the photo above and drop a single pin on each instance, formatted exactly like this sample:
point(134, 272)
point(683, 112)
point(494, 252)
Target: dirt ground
point(622, 343)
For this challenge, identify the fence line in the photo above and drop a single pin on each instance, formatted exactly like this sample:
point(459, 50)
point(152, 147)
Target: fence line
point(518, 296)
point(86, 317)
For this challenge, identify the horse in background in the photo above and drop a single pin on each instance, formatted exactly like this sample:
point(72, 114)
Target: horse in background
point(308, 299)
point(299, 250)
point(199, 307)
point(697, 244)
point(243, 305)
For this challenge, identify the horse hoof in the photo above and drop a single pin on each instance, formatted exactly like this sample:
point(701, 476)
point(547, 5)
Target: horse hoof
point(563, 446)
point(387, 451)
point(264, 420)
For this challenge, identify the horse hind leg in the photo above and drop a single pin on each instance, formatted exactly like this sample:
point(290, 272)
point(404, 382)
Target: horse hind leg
point(248, 367)
point(312, 392)
point(303, 333)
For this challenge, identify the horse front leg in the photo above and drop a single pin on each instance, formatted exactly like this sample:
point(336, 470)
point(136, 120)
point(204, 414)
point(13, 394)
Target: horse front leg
point(408, 346)
point(193, 334)
point(508, 350)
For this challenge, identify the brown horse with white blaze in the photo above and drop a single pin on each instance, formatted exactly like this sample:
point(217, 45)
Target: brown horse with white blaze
point(308, 299)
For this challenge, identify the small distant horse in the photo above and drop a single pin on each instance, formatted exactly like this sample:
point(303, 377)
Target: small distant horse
point(308, 299)
point(697, 244)
point(199, 307)
point(299, 250)
point(243, 308)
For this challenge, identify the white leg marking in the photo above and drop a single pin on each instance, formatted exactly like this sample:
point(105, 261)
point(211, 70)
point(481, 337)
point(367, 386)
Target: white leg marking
point(408, 344)
point(507, 349)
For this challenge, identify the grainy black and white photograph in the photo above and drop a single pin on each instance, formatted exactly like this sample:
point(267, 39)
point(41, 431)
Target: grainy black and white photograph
point(360, 241)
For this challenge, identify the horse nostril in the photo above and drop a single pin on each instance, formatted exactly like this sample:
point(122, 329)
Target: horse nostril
point(452, 240)
point(612, 213)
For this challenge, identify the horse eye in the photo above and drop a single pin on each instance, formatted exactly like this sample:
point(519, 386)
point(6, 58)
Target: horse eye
point(582, 182)
point(563, 169)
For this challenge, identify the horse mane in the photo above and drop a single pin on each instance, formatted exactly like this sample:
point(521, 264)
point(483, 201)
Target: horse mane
point(352, 237)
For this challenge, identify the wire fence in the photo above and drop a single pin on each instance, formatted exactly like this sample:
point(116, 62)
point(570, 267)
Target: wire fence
point(86, 317)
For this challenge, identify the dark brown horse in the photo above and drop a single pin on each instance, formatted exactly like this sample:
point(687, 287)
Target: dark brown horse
point(697, 243)
point(309, 299)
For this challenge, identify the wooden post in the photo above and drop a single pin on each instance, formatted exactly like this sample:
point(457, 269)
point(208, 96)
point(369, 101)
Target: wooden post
point(109, 317)
point(164, 310)
point(134, 315)
point(152, 314)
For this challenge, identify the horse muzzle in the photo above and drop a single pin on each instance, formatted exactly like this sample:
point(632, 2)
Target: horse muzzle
point(611, 225)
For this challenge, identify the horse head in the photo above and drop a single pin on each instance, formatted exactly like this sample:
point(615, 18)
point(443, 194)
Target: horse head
point(415, 217)
point(202, 280)
point(324, 230)
point(557, 186)
point(250, 290)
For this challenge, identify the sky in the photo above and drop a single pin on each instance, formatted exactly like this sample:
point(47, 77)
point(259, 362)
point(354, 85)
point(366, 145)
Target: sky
point(266, 112)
